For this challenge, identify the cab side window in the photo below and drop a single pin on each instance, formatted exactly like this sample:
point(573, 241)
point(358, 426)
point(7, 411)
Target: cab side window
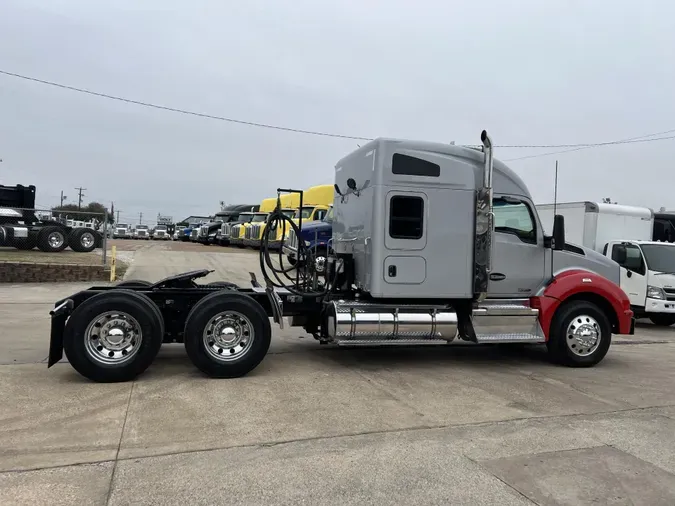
point(513, 217)
point(629, 256)
point(319, 214)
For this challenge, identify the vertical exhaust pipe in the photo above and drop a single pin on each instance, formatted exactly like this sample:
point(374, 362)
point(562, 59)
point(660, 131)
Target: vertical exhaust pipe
point(484, 223)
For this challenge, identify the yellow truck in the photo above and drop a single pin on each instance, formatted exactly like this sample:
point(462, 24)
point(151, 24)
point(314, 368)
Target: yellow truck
point(238, 232)
point(316, 202)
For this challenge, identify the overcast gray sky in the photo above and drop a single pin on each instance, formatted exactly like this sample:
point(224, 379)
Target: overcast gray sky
point(531, 72)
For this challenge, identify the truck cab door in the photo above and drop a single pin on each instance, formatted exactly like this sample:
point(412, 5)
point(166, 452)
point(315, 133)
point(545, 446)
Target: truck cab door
point(633, 271)
point(518, 254)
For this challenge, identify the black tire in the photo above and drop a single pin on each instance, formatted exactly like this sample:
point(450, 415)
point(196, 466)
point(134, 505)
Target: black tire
point(82, 240)
point(133, 283)
point(136, 305)
point(258, 337)
point(224, 284)
point(662, 319)
point(564, 349)
point(52, 239)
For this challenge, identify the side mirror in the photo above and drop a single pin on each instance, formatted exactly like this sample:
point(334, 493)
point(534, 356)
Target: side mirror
point(351, 184)
point(619, 254)
point(337, 189)
point(558, 232)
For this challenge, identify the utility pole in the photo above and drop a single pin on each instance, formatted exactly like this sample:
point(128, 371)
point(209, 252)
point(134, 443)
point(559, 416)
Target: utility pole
point(140, 218)
point(118, 216)
point(63, 197)
point(79, 197)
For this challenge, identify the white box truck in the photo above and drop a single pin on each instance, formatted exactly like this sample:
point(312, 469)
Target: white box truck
point(624, 234)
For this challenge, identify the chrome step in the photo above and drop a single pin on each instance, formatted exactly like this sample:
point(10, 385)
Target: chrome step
point(389, 342)
point(509, 338)
point(507, 321)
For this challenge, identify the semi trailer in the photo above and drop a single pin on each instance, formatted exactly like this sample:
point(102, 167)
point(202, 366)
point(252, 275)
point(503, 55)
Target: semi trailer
point(422, 255)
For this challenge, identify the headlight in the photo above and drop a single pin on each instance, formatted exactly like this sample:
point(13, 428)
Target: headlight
point(654, 292)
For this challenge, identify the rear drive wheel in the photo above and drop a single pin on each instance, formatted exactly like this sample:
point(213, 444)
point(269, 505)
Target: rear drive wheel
point(662, 319)
point(227, 334)
point(52, 239)
point(580, 334)
point(82, 240)
point(114, 336)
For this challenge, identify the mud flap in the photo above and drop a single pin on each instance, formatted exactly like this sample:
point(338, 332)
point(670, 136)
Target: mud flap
point(464, 323)
point(59, 316)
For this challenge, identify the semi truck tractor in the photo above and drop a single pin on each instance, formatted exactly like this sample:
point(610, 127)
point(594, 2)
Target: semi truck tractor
point(422, 255)
point(624, 234)
point(209, 232)
point(316, 236)
point(122, 231)
point(315, 204)
point(237, 231)
point(253, 234)
point(142, 232)
point(21, 228)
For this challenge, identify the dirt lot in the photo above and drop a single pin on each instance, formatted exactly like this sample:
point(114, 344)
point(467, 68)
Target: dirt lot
point(319, 425)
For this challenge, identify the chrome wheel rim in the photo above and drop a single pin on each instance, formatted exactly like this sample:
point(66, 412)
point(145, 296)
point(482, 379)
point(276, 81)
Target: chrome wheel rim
point(228, 336)
point(320, 264)
point(583, 335)
point(56, 239)
point(87, 239)
point(113, 338)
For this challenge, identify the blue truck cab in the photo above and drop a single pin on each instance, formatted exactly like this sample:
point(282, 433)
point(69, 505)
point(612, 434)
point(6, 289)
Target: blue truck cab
point(316, 235)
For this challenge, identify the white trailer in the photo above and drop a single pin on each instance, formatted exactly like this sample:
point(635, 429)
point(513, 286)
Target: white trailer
point(624, 234)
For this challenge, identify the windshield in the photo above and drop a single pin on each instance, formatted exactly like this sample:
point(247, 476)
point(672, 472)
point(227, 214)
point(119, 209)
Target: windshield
point(230, 218)
point(246, 218)
point(141, 227)
point(306, 212)
point(289, 213)
point(122, 225)
point(160, 227)
point(329, 215)
point(659, 257)
point(258, 218)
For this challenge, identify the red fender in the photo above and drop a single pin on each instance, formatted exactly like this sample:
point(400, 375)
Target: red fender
point(576, 282)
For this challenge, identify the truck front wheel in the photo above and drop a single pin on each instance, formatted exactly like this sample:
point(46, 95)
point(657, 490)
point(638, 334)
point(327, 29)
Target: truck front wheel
point(227, 334)
point(580, 334)
point(662, 319)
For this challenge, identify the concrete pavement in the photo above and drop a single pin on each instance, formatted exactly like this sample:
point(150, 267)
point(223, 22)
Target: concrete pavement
point(318, 425)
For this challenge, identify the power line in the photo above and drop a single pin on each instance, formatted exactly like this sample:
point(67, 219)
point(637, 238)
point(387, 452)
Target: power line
point(573, 147)
point(630, 140)
point(183, 111)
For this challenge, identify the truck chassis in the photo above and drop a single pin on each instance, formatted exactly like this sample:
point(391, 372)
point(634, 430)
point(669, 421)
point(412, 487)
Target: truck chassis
point(113, 333)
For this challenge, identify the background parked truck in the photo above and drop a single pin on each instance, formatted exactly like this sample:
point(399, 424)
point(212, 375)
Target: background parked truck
point(624, 234)
point(21, 228)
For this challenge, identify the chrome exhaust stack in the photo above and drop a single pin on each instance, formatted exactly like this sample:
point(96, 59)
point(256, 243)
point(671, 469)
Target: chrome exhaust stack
point(484, 224)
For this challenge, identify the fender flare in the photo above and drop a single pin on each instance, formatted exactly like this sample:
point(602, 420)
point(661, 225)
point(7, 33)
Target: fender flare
point(580, 284)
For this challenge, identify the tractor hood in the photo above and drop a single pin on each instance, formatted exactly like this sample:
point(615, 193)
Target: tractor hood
point(311, 227)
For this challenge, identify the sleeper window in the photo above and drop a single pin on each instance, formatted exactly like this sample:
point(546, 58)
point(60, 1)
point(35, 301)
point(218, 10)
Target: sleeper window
point(406, 217)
